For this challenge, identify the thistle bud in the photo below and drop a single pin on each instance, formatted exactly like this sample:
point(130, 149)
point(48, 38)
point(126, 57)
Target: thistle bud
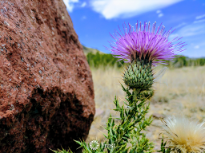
point(139, 75)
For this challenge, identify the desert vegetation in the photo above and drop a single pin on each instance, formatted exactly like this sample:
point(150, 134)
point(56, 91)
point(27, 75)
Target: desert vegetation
point(97, 59)
point(128, 128)
point(179, 92)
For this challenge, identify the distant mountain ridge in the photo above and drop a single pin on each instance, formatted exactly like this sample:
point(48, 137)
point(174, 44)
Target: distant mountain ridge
point(87, 50)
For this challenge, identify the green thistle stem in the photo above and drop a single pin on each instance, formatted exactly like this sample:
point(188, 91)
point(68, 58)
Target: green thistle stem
point(136, 94)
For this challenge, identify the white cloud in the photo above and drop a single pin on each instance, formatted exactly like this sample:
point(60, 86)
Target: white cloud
point(180, 25)
point(84, 17)
point(83, 4)
point(158, 11)
point(70, 4)
point(201, 16)
point(192, 29)
point(160, 14)
point(127, 8)
point(193, 35)
point(199, 21)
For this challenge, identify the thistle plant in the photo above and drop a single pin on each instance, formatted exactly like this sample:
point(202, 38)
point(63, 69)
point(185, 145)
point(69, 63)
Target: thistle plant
point(143, 48)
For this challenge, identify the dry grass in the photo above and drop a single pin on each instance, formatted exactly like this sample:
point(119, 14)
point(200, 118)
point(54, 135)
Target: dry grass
point(179, 92)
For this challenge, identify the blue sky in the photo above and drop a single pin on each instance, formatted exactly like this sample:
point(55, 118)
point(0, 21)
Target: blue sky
point(94, 20)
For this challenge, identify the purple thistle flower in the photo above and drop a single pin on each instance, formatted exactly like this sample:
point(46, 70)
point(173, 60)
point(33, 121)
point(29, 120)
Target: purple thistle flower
point(144, 44)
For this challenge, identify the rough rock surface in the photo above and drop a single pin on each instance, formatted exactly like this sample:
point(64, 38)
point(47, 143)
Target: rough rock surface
point(46, 88)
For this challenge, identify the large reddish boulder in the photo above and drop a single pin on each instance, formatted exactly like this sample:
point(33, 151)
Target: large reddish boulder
point(46, 88)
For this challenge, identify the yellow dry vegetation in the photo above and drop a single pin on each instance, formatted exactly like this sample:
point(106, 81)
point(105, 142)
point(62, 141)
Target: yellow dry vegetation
point(179, 92)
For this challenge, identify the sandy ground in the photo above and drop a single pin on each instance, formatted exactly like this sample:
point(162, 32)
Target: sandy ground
point(179, 92)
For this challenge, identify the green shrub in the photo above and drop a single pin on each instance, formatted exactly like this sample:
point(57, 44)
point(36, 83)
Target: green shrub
point(103, 60)
point(182, 61)
point(97, 60)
